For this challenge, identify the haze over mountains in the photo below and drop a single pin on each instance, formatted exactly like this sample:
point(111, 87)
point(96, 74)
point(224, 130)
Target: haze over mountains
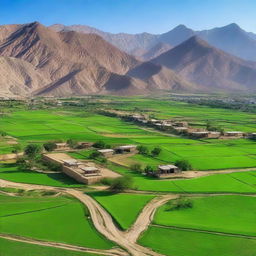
point(78, 60)
point(230, 38)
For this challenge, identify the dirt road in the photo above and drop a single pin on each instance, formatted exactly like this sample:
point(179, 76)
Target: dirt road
point(102, 220)
point(111, 252)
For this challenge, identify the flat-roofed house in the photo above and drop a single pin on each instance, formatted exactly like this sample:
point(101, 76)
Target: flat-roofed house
point(126, 148)
point(236, 134)
point(200, 134)
point(214, 135)
point(61, 145)
point(180, 124)
point(106, 152)
point(71, 162)
point(90, 170)
point(84, 144)
point(167, 170)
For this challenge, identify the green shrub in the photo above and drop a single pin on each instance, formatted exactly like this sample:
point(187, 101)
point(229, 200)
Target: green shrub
point(184, 165)
point(32, 150)
point(178, 204)
point(143, 150)
point(156, 151)
point(49, 146)
point(136, 167)
point(121, 183)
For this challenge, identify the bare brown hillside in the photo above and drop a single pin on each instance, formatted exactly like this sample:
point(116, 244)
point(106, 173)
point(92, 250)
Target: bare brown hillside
point(198, 62)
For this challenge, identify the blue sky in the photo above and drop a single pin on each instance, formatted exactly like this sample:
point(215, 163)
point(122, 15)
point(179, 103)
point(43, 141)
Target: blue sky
point(132, 16)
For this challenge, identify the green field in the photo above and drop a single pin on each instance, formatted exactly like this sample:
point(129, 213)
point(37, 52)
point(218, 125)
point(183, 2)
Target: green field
point(57, 219)
point(189, 243)
point(239, 182)
point(12, 248)
point(124, 208)
point(11, 172)
point(61, 124)
point(228, 214)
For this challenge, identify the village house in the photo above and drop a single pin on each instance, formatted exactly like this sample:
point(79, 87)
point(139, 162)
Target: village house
point(126, 149)
point(83, 172)
point(203, 134)
point(61, 146)
point(84, 144)
point(165, 170)
point(214, 135)
point(236, 134)
point(106, 152)
point(180, 124)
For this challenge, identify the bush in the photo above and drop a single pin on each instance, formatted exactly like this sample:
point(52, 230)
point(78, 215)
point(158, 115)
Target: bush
point(56, 167)
point(121, 183)
point(49, 146)
point(32, 150)
point(178, 204)
point(107, 181)
point(95, 154)
point(3, 133)
point(16, 149)
point(72, 143)
point(142, 150)
point(184, 165)
point(136, 167)
point(149, 169)
point(99, 144)
point(156, 151)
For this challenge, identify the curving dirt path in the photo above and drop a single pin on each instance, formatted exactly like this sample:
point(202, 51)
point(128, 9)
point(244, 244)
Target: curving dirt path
point(101, 219)
point(111, 252)
point(146, 216)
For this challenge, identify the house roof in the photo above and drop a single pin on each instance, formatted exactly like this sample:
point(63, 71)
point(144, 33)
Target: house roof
point(107, 150)
point(167, 167)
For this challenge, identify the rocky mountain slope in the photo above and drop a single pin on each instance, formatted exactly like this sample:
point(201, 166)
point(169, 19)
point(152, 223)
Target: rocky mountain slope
point(198, 62)
point(70, 62)
point(230, 38)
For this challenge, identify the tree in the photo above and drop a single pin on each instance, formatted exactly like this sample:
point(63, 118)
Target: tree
point(184, 165)
point(142, 150)
point(179, 203)
point(136, 167)
point(149, 169)
point(32, 150)
point(50, 146)
point(3, 133)
point(95, 154)
point(72, 143)
point(121, 183)
point(16, 149)
point(99, 144)
point(156, 151)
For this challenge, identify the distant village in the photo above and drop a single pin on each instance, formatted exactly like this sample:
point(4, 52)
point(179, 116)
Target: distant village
point(179, 127)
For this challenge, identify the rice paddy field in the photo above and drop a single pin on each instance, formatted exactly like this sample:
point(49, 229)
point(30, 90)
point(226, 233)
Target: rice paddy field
point(22, 249)
point(217, 224)
point(180, 242)
point(124, 208)
point(57, 219)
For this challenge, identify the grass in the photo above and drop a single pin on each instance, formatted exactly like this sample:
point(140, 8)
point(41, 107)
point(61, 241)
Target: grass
point(228, 214)
point(11, 248)
point(12, 173)
point(51, 219)
point(179, 243)
point(124, 208)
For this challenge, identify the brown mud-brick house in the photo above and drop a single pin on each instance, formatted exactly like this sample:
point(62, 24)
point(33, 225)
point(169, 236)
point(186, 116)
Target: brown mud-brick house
point(234, 134)
point(165, 170)
point(106, 152)
point(61, 146)
point(126, 149)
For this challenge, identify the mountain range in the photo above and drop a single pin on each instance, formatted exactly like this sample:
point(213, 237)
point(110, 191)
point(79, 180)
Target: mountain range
point(230, 38)
point(77, 60)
